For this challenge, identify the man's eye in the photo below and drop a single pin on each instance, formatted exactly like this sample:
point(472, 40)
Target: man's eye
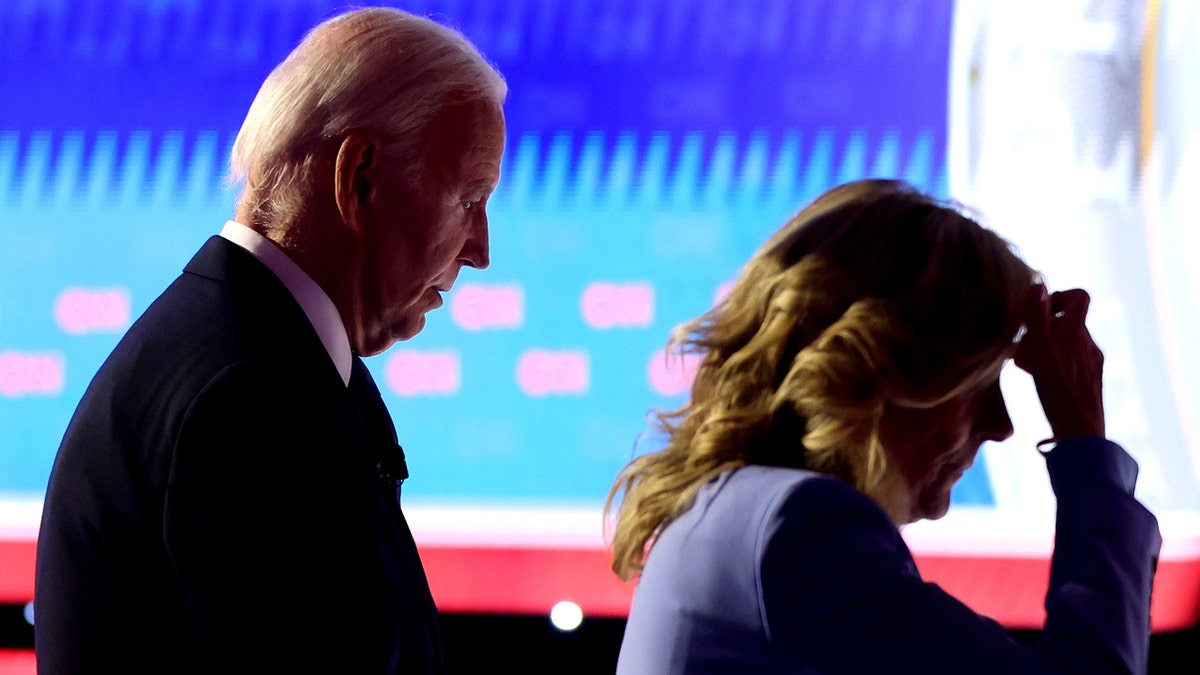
point(467, 206)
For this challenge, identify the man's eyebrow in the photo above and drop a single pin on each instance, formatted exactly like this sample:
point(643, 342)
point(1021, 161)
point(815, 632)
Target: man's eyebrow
point(480, 185)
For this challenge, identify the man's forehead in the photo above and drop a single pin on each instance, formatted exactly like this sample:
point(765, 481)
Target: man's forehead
point(468, 138)
point(474, 117)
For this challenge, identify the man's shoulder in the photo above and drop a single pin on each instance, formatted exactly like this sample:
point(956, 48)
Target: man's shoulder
point(225, 306)
point(200, 326)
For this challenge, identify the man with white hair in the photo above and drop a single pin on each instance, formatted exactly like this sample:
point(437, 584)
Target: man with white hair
point(226, 497)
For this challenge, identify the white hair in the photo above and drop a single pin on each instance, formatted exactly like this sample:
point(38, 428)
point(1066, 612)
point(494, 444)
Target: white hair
point(377, 69)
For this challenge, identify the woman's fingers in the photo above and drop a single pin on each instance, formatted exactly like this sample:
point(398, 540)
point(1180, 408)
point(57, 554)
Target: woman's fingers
point(1037, 316)
point(1073, 302)
point(1069, 310)
point(1058, 351)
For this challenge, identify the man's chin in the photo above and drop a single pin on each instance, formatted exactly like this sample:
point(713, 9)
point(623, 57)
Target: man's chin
point(406, 331)
point(369, 350)
point(381, 343)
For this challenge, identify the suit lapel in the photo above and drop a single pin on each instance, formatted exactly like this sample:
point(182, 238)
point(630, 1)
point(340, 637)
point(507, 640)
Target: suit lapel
point(259, 292)
point(386, 453)
point(388, 459)
point(370, 435)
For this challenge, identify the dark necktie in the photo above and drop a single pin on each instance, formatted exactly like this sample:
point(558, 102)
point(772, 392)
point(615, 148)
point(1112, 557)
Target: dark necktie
point(386, 453)
point(412, 605)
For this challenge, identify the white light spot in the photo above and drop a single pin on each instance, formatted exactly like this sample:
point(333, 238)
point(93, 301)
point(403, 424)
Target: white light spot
point(566, 616)
point(29, 613)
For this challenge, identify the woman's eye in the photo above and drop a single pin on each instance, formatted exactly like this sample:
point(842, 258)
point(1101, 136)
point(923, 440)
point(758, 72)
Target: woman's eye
point(467, 206)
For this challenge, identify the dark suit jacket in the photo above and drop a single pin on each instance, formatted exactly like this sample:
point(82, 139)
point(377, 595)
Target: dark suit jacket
point(778, 570)
point(215, 504)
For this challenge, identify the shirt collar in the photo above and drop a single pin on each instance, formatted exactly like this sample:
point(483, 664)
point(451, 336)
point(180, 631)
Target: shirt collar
point(317, 306)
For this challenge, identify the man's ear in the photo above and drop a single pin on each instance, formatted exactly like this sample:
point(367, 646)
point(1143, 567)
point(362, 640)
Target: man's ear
point(356, 174)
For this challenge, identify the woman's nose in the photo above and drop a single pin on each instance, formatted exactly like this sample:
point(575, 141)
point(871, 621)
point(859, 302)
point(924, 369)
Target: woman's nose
point(992, 422)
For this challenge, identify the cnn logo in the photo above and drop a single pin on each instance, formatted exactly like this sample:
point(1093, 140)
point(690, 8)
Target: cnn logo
point(543, 373)
point(31, 374)
point(412, 373)
point(478, 307)
point(92, 310)
point(607, 305)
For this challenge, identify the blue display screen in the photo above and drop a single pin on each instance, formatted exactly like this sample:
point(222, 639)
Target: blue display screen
point(652, 146)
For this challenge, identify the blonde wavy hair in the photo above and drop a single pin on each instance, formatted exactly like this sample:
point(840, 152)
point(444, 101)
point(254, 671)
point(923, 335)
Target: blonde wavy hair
point(874, 293)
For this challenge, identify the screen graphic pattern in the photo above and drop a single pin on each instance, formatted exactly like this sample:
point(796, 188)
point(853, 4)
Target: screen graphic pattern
point(652, 147)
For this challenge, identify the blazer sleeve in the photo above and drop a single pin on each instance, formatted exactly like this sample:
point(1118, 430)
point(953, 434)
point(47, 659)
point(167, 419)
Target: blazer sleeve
point(840, 591)
point(266, 530)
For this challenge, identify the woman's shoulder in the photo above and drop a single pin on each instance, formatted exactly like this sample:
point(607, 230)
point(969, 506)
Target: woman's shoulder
point(741, 511)
point(784, 509)
point(729, 508)
point(774, 488)
point(753, 504)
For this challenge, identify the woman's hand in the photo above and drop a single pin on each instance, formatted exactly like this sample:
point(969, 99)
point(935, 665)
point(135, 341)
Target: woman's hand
point(1066, 365)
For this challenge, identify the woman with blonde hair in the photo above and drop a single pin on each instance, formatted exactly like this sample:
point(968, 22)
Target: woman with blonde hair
point(846, 382)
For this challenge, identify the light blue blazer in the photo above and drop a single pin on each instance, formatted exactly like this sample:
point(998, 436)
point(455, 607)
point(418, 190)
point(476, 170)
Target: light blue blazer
point(778, 570)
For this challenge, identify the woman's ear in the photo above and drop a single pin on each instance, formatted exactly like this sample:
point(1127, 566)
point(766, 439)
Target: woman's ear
point(356, 173)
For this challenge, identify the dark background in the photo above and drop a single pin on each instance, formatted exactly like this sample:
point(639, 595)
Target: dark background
point(530, 644)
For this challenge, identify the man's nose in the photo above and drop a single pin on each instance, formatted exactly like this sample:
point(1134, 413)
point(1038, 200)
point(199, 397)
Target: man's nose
point(475, 251)
point(992, 422)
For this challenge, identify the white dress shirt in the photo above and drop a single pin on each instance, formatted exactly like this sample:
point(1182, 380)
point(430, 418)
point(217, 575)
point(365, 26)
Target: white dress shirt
point(316, 304)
